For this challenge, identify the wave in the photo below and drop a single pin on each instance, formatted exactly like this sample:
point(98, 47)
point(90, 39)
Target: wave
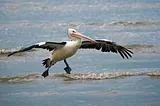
point(134, 23)
point(72, 77)
point(138, 46)
point(6, 51)
point(91, 92)
point(95, 24)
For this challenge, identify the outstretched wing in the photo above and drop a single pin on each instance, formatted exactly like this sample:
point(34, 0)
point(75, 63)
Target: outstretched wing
point(44, 45)
point(107, 46)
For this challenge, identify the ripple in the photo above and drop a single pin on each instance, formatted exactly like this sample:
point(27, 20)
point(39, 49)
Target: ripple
point(92, 92)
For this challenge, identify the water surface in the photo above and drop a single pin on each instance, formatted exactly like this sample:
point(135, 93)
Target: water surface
point(97, 79)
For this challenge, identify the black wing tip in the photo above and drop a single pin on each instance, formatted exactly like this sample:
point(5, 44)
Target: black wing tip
point(130, 51)
point(125, 53)
point(128, 57)
point(10, 54)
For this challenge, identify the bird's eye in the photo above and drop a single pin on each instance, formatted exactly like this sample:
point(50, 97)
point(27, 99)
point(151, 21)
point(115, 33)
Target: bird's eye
point(73, 31)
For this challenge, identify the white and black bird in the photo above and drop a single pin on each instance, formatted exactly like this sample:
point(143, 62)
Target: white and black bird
point(64, 50)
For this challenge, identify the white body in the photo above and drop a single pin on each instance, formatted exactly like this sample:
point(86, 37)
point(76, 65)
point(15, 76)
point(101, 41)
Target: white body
point(67, 51)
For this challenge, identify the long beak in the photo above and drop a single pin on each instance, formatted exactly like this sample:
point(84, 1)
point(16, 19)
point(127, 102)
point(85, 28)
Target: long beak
point(81, 36)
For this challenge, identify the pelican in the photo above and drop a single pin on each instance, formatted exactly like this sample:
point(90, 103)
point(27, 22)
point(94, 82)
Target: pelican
point(63, 50)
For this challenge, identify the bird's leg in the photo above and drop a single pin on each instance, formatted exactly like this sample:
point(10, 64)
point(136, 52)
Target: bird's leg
point(67, 68)
point(47, 63)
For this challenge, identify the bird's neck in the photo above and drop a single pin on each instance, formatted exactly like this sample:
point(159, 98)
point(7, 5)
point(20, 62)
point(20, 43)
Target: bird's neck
point(78, 42)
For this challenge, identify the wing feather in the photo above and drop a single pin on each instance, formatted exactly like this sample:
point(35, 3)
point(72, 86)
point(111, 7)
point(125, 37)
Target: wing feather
point(120, 52)
point(107, 46)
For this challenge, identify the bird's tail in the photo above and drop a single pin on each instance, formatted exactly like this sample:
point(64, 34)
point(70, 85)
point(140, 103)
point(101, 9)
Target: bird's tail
point(46, 62)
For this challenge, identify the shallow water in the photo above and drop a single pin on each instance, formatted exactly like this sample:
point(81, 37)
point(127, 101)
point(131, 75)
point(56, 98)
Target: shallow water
point(97, 79)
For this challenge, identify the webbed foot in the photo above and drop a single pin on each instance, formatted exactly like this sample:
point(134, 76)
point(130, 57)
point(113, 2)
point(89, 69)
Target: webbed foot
point(45, 73)
point(68, 70)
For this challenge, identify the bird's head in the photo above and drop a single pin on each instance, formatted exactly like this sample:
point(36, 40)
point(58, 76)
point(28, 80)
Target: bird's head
point(74, 35)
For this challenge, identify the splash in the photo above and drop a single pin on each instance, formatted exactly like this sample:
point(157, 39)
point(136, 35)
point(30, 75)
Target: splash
point(72, 77)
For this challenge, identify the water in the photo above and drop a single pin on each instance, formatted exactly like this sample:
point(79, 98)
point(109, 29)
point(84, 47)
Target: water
point(97, 79)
